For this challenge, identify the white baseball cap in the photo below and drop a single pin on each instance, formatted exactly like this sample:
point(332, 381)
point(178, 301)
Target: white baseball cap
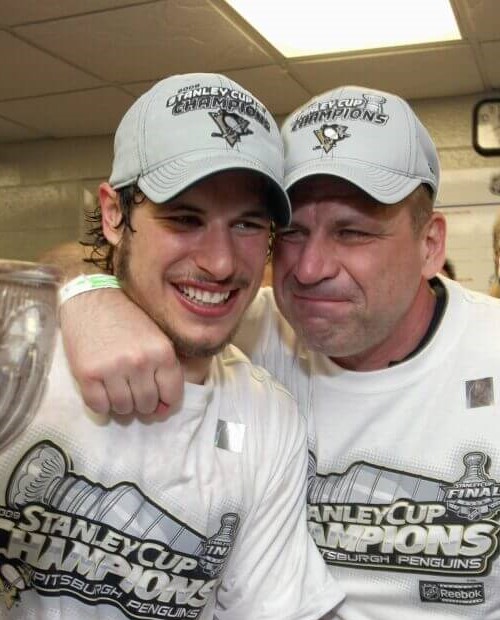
point(368, 137)
point(188, 127)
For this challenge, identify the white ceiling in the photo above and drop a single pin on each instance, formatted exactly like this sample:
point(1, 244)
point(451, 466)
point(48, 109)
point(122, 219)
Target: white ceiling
point(72, 67)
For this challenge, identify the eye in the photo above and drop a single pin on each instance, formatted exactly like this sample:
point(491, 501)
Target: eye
point(292, 234)
point(252, 224)
point(353, 235)
point(182, 222)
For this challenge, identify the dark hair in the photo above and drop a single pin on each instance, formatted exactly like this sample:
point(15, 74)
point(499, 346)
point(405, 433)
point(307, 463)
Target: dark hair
point(102, 251)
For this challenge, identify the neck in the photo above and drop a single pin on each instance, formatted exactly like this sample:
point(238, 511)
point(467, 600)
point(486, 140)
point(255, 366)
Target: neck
point(195, 369)
point(404, 338)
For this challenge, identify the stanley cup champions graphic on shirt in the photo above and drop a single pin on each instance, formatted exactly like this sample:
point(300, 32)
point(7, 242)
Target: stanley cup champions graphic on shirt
point(62, 533)
point(378, 518)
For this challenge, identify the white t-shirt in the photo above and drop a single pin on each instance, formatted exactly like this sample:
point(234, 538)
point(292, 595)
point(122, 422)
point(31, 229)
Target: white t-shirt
point(404, 487)
point(202, 513)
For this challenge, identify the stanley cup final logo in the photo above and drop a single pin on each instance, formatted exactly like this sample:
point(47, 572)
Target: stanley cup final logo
point(474, 496)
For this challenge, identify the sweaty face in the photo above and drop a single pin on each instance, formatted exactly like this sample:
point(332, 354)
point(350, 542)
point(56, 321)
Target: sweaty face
point(348, 271)
point(195, 263)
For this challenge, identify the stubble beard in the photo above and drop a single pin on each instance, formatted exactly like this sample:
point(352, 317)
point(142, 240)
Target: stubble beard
point(184, 346)
point(190, 349)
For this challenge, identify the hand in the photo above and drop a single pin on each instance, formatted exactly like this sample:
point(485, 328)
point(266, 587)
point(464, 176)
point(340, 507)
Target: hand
point(119, 357)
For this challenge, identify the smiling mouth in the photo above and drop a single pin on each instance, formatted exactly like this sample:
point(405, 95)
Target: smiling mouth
point(203, 297)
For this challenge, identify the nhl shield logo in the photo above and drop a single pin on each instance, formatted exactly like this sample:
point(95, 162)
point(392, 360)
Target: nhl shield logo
point(429, 591)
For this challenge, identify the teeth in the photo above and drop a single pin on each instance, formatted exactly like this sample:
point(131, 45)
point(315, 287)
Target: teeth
point(204, 297)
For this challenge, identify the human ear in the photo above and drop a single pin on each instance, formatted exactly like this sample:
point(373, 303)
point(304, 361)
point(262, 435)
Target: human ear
point(111, 213)
point(433, 245)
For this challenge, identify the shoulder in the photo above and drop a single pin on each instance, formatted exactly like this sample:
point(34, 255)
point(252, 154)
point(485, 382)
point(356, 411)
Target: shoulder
point(257, 397)
point(235, 367)
point(471, 326)
point(476, 304)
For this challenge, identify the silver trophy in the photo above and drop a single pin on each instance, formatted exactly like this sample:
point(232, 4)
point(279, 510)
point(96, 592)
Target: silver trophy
point(28, 320)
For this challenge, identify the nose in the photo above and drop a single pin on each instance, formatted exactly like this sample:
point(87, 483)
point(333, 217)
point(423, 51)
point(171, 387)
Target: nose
point(216, 253)
point(317, 261)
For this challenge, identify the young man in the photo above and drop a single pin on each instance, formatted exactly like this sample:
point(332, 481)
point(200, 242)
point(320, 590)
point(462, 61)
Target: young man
point(201, 514)
point(396, 369)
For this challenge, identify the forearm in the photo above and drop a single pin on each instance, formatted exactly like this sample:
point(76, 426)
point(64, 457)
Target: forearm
point(120, 358)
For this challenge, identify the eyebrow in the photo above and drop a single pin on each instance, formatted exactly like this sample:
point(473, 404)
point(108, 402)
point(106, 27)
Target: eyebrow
point(264, 211)
point(180, 206)
point(185, 207)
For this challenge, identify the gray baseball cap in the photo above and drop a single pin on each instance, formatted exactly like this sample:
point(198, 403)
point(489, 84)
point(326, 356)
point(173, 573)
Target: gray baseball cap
point(368, 137)
point(188, 127)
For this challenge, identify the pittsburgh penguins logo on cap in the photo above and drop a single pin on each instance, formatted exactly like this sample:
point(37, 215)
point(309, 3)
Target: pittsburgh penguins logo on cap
point(329, 135)
point(232, 126)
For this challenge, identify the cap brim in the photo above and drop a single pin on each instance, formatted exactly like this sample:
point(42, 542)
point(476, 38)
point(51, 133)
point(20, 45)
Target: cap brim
point(385, 186)
point(171, 179)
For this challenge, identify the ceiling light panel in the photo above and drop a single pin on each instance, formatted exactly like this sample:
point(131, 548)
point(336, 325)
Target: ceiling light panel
point(317, 27)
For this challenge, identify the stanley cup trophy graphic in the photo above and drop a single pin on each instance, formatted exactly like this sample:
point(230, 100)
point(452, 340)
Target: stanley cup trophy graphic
point(28, 319)
point(44, 476)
